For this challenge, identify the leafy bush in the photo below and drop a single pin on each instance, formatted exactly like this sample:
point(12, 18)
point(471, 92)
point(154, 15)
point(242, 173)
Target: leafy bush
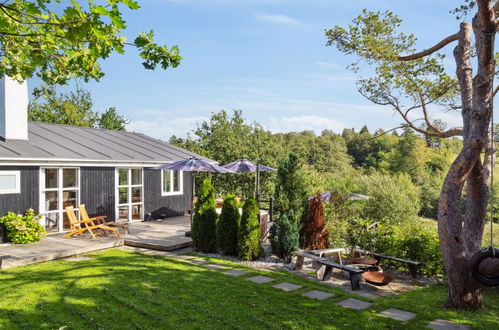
point(205, 219)
point(228, 226)
point(285, 236)
point(395, 198)
point(248, 239)
point(411, 241)
point(23, 229)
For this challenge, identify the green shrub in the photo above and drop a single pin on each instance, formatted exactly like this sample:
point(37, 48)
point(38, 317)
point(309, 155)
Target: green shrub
point(23, 229)
point(285, 236)
point(248, 239)
point(291, 201)
point(411, 241)
point(205, 219)
point(395, 198)
point(228, 226)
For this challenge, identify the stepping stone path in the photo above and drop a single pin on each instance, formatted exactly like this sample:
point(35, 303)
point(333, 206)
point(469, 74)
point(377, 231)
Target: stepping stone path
point(318, 295)
point(446, 325)
point(183, 257)
point(236, 272)
point(354, 303)
point(397, 314)
point(285, 286)
point(197, 261)
point(260, 279)
point(393, 313)
point(216, 267)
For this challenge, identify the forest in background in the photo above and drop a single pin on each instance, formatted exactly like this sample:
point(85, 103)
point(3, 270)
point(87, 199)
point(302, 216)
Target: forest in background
point(402, 171)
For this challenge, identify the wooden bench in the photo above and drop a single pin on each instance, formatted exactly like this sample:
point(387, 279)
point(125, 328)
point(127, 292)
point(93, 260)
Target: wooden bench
point(412, 265)
point(325, 268)
point(335, 252)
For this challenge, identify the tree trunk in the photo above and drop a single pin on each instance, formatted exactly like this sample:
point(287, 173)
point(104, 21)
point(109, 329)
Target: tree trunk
point(460, 236)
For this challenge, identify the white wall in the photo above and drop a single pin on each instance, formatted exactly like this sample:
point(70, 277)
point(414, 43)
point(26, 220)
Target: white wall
point(13, 109)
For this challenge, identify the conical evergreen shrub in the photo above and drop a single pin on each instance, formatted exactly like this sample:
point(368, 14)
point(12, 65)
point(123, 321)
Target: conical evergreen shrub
point(228, 227)
point(291, 199)
point(248, 240)
point(205, 219)
point(285, 236)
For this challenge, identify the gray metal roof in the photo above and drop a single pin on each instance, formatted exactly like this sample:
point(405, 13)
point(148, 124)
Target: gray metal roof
point(53, 142)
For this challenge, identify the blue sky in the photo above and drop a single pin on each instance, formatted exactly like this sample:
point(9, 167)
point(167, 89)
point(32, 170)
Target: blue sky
point(265, 57)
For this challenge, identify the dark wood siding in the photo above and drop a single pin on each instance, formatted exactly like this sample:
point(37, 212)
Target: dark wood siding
point(28, 198)
point(156, 204)
point(97, 190)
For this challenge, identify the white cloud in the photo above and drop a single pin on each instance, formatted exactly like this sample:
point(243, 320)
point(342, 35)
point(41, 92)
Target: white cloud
point(280, 19)
point(302, 123)
point(163, 127)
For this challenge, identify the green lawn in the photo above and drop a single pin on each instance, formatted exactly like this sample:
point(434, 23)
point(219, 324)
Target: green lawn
point(125, 290)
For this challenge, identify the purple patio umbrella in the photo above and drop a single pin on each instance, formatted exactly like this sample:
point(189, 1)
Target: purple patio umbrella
point(244, 165)
point(193, 165)
point(326, 196)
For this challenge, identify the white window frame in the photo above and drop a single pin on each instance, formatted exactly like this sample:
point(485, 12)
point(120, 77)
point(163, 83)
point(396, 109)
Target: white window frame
point(129, 187)
point(171, 192)
point(17, 189)
point(60, 191)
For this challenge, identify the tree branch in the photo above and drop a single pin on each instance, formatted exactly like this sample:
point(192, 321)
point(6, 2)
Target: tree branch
point(430, 50)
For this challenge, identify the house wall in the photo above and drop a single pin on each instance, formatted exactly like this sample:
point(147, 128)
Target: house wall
point(97, 187)
point(29, 196)
point(97, 192)
point(156, 204)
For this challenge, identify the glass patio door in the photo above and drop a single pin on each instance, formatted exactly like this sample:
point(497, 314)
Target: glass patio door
point(59, 188)
point(129, 194)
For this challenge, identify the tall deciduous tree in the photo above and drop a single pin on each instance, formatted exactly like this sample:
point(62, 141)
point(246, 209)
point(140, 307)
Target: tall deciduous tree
point(73, 108)
point(420, 78)
point(59, 40)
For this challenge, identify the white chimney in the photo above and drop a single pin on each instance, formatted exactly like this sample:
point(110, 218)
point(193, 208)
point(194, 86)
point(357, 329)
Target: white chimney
point(13, 109)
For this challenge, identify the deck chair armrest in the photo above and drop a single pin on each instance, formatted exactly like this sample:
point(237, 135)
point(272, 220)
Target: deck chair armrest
point(84, 221)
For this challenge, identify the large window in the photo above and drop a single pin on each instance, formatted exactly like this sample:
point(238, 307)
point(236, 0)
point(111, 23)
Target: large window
point(171, 182)
point(59, 188)
point(10, 182)
point(129, 194)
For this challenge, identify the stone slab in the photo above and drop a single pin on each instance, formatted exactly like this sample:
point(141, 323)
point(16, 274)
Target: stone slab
point(318, 295)
point(398, 314)
point(216, 267)
point(183, 257)
point(260, 279)
point(354, 303)
point(236, 272)
point(446, 325)
point(287, 286)
point(197, 261)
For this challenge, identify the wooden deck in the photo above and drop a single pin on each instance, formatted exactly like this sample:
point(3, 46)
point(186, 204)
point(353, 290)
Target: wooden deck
point(167, 235)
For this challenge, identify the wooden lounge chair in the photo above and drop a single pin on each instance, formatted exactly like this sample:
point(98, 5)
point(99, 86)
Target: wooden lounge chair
point(100, 220)
point(80, 227)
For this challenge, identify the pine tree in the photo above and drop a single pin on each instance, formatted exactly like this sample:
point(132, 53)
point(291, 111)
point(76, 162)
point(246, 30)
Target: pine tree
point(228, 227)
point(248, 240)
point(205, 219)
